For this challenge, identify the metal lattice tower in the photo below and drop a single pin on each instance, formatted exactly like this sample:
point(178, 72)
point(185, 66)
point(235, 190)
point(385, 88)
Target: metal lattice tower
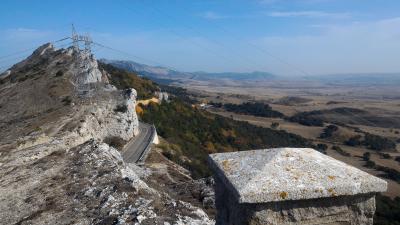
point(75, 39)
point(86, 39)
point(83, 57)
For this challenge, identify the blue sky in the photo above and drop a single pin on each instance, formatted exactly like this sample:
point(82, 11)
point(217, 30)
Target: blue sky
point(288, 37)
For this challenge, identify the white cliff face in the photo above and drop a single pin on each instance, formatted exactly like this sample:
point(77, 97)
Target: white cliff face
point(130, 101)
point(87, 70)
point(52, 79)
point(113, 115)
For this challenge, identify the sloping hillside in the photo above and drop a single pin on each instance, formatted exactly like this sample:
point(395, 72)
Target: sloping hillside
point(123, 79)
point(196, 133)
point(57, 109)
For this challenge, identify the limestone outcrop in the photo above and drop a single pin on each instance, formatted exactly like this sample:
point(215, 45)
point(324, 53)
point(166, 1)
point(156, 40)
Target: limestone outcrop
point(54, 165)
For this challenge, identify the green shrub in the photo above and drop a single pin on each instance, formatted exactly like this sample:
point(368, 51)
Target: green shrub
point(322, 148)
point(254, 109)
point(328, 131)
point(340, 151)
point(306, 119)
point(366, 156)
point(59, 73)
point(370, 164)
point(115, 142)
point(378, 143)
point(354, 141)
point(385, 155)
point(390, 173)
point(387, 210)
point(274, 125)
point(216, 104)
point(22, 79)
point(67, 100)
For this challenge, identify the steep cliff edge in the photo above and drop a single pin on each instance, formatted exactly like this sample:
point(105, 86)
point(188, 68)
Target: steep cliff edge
point(56, 110)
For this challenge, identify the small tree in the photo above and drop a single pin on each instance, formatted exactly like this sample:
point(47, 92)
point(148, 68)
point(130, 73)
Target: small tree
point(322, 148)
point(274, 125)
point(354, 141)
point(366, 156)
point(370, 164)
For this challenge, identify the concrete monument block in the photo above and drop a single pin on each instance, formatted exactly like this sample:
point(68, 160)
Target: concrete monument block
point(291, 186)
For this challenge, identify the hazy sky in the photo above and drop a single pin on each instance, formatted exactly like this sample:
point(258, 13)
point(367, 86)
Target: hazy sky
point(293, 37)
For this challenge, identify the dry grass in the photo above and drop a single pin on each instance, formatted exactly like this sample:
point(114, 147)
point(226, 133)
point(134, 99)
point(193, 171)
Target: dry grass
point(320, 99)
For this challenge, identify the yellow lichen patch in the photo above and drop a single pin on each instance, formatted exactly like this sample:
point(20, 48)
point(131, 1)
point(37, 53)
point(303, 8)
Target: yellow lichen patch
point(226, 165)
point(283, 195)
point(331, 177)
point(330, 190)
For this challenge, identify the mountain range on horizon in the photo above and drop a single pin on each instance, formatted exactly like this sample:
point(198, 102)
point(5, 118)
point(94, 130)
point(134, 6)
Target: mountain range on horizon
point(164, 74)
point(159, 72)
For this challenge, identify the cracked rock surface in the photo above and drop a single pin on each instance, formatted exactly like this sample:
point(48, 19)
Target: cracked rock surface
point(54, 165)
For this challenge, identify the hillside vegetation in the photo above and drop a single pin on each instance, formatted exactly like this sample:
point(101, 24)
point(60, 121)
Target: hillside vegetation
point(373, 142)
point(123, 79)
point(251, 108)
point(344, 115)
point(193, 133)
point(196, 133)
point(387, 210)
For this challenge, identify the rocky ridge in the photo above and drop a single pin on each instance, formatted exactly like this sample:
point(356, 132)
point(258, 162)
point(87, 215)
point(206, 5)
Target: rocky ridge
point(55, 168)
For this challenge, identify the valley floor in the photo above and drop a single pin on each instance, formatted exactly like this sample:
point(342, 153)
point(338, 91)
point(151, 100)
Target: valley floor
point(308, 102)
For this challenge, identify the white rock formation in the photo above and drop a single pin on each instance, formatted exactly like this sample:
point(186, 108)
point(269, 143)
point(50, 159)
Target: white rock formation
point(54, 166)
point(87, 70)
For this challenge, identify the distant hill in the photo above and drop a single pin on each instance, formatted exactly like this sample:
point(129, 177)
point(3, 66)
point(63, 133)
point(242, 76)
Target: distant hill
point(156, 72)
point(159, 73)
point(164, 75)
point(257, 75)
point(359, 79)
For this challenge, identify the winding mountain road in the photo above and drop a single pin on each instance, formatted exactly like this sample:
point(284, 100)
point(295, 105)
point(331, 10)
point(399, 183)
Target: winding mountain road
point(137, 146)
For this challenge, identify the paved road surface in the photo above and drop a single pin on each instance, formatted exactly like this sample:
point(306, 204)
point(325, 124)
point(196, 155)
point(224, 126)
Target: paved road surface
point(135, 147)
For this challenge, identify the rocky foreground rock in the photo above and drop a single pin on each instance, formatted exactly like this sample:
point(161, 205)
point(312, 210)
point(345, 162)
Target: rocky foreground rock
point(55, 168)
point(284, 186)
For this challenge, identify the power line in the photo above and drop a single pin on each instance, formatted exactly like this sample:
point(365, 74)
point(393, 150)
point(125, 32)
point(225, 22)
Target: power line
point(207, 49)
point(24, 56)
point(126, 53)
point(17, 53)
point(293, 67)
point(262, 50)
point(29, 49)
point(135, 56)
point(219, 43)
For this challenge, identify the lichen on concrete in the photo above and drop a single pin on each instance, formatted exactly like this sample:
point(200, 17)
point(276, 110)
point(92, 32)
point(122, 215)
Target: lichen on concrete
point(285, 186)
point(269, 175)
